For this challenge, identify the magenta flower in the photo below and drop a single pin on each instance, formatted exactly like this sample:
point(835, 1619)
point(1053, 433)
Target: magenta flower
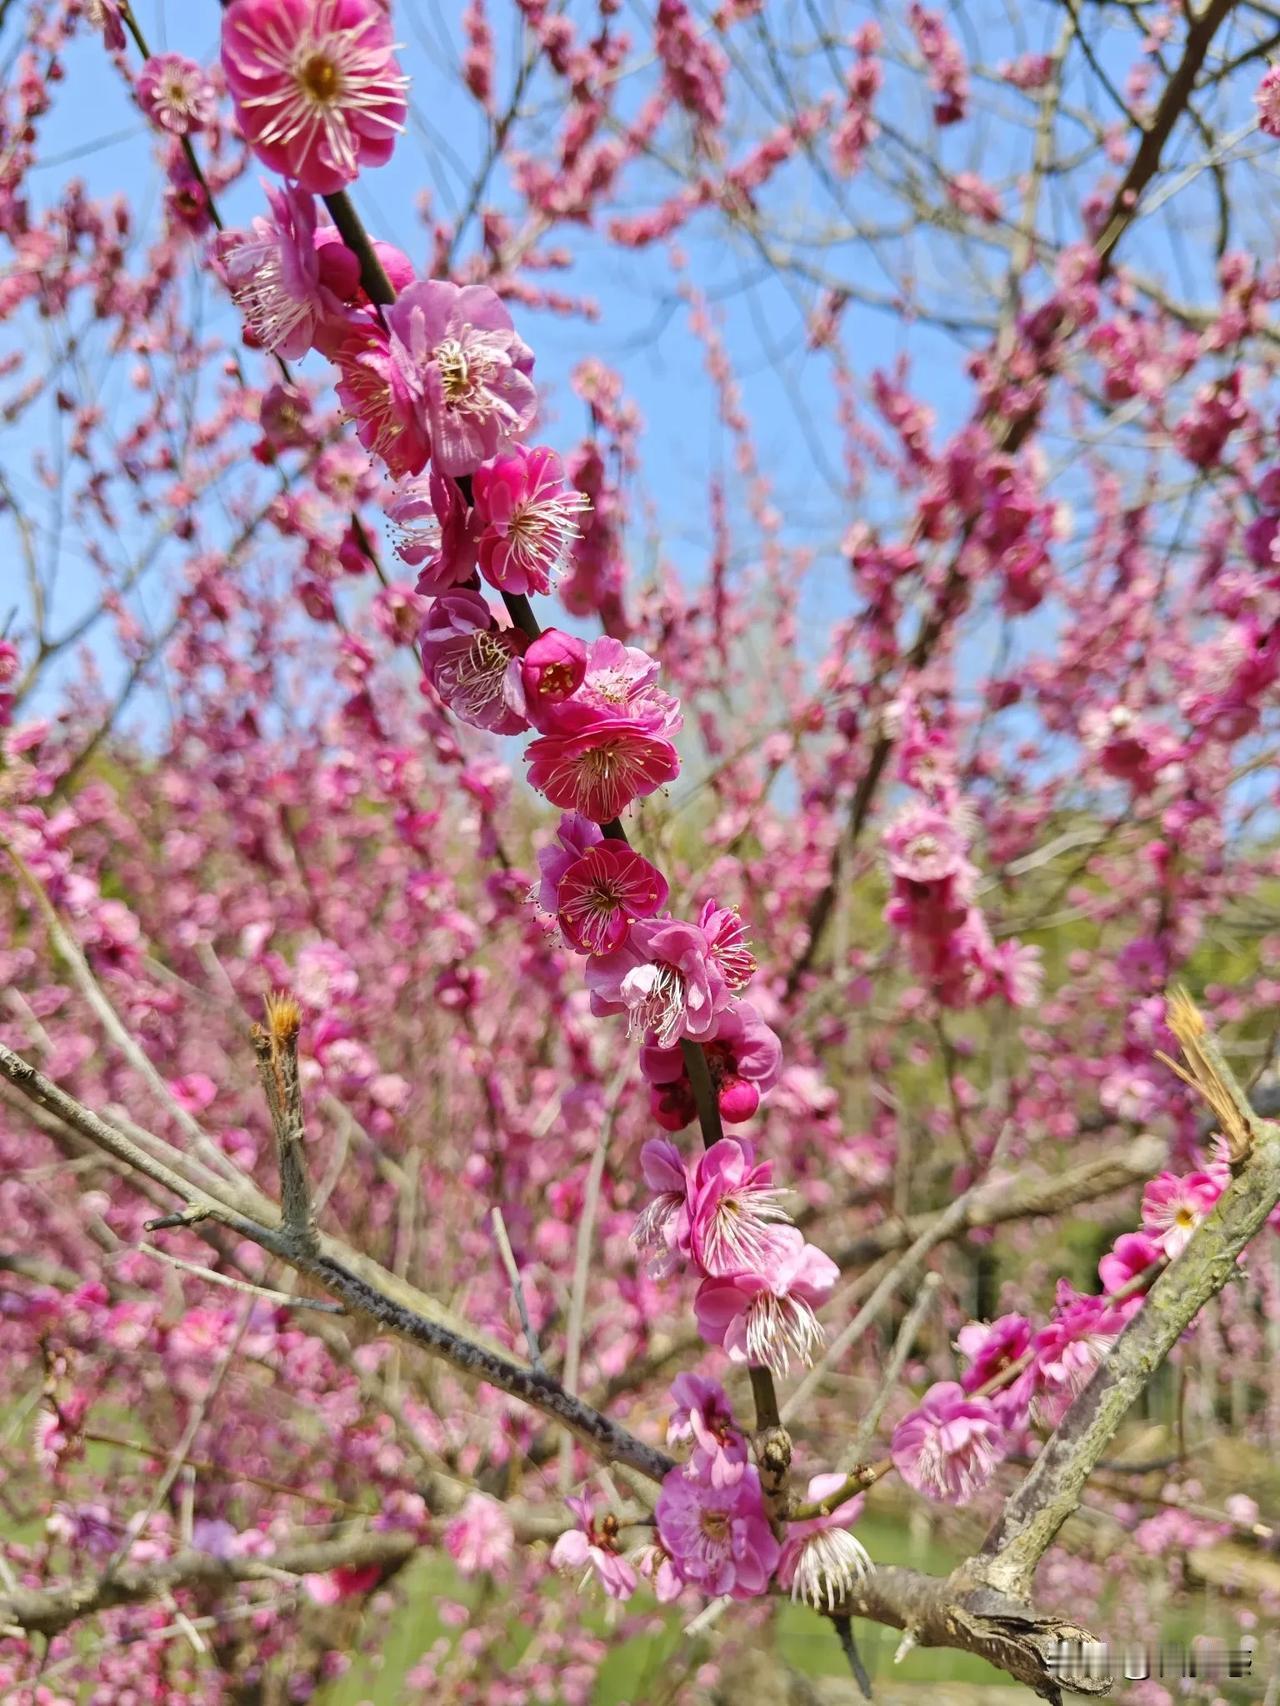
point(550, 672)
point(434, 533)
point(316, 87)
point(1172, 1208)
point(821, 1561)
point(744, 1058)
point(767, 1318)
point(702, 1414)
point(527, 519)
point(734, 1210)
point(601, 893)
point(374, 391)
point(273, 273)
point(598, 770)
point(718, 1538)
point(1131, 1254)
point(468, 370)
point(948, 1449)
point(663, 978)
point(593, 1549)
point(992, 1348)
point(574, 836)
point(465, 655)
point(662, 1229)
point(175, 94)
point(480, 1536)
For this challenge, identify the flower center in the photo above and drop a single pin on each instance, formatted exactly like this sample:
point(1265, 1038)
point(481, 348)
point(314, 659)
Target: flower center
point(320, 78)
point(480, 674)
point(715, 1525)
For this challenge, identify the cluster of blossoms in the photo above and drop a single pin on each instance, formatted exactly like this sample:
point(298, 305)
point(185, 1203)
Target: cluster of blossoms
point(760, 1280)
point(934, 880)
point(949, 1447)
point(439, 386)
point(713, 1527)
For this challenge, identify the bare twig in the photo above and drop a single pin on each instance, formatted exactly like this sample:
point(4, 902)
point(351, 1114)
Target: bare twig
point(517, 1289)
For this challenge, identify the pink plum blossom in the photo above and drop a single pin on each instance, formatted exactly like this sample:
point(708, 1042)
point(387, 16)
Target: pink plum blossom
point(767, 1318)
point(744, 1059)
point(433, 532)
point(316, 88)
point(467, 368)
point(600, 768)
point(821, 1562)
point(526, 519)
point(703, 1416)
point(718, 1537)
point(663, 978)
point(175, 94)
point(949, 1447)
point(1173, 1206)
point(466, 655)
point(734, 1210)
point(592, 1549)
point(479, 1538)
point(601, 895)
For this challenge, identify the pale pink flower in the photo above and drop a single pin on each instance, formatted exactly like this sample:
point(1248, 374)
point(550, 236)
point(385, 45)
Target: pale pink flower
point(768, 1318)
point(273, 273)
point(821, 1561)
point(324, 974)
point(1172, 1208)
point(526, 519)
point(654, 1563)
point(466, 656)
point(662, 1229)
point(593, 1549)
point(663, 978)
point(175, 94)
point(468, 369)
point(599, 769)
point(735, 1210)
point(374, 391)
point(718, 1537)
point(316, 87)
point(603, 892)
point(949, 1448)
point(1070, 1347)
point(702, 1414)
point(480, 1536)
point(433, 532)
point(925, 846)
point(619, 681)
